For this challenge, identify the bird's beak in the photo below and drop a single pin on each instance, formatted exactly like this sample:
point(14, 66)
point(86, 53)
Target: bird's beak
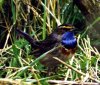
point(74, 29)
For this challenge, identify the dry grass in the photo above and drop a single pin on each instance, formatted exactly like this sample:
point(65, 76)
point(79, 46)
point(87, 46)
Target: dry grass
point(15, 61)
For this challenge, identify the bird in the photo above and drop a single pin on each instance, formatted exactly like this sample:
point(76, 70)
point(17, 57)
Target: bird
point(63, 37)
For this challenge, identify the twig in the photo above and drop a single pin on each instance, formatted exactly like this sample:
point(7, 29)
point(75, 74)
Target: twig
point(69, 66)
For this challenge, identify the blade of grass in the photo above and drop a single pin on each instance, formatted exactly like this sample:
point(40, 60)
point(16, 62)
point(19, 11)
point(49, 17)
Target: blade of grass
point(44, 23)
point(13, 9)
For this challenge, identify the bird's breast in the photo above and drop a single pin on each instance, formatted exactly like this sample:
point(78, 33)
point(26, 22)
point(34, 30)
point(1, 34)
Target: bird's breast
point(61, 53)
point(68, 52)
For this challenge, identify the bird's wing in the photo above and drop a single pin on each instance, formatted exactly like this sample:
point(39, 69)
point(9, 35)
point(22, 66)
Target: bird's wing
point(44, 46)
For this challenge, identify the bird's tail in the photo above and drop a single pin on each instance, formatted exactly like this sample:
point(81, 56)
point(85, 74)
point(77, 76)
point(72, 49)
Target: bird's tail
point(27, 37)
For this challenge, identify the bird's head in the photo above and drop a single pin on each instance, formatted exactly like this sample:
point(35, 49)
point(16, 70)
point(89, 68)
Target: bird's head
point(65, 34)
point(68, 38)
point(64, 28)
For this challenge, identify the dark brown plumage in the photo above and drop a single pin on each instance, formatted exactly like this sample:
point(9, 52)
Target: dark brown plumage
point(62, 36)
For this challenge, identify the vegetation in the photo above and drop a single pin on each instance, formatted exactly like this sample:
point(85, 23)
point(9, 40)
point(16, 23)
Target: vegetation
point(39, 18)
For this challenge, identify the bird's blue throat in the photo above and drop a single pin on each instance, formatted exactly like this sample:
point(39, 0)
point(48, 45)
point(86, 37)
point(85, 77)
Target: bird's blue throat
point(68, 40)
